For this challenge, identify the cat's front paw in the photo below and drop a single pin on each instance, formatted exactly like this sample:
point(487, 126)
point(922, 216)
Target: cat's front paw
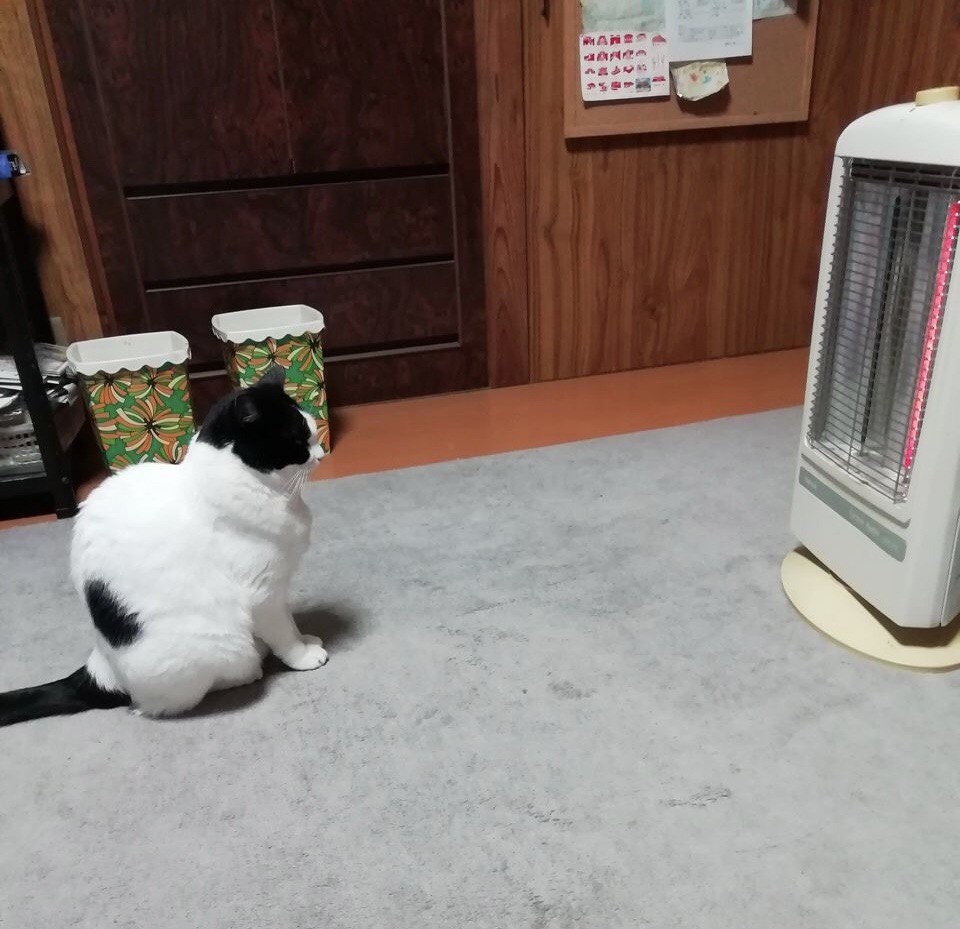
point(307, 655)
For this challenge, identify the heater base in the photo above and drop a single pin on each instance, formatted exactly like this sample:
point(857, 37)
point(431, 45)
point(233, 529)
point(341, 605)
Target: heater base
point(836, 611)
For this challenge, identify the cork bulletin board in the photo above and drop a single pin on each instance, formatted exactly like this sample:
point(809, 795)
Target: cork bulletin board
point(771, 86)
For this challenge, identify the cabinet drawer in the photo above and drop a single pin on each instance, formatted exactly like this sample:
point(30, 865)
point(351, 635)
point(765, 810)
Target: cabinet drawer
point(365, 311)
point(213, 237)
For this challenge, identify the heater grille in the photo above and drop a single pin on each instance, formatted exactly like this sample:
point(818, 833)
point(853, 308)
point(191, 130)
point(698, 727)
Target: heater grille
point(895, 241)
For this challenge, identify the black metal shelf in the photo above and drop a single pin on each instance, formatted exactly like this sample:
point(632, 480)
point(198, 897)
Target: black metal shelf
point(23, 485)
point(55, 429)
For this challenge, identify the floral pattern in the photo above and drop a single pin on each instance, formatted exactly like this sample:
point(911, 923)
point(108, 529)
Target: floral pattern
point(105, 389)
point(302, 356)
point(159, 382)
point(143, 415)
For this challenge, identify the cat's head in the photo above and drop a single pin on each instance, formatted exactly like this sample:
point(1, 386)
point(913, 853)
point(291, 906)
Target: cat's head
point(263, 427)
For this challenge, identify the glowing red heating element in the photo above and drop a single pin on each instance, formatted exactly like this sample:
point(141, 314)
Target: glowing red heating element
point(930, 336)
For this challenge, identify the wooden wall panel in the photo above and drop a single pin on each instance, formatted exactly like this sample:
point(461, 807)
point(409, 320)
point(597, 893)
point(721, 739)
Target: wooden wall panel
point(503, 163)
point(30, 126)
point(675, 247)
point(465, 190)
point(86, 133)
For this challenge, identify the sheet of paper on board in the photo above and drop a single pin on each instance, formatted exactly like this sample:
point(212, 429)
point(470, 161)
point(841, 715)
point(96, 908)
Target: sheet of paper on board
point(623, 66)
point(709, 29)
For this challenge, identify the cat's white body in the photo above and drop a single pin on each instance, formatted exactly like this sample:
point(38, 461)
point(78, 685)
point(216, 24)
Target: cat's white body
point(203, 553)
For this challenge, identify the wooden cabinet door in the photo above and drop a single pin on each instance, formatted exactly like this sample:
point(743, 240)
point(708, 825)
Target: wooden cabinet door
point(365, 83)
point(191, 89)
point(264, 152)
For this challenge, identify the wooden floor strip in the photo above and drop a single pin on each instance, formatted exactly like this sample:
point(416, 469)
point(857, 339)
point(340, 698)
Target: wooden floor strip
point(402, 434)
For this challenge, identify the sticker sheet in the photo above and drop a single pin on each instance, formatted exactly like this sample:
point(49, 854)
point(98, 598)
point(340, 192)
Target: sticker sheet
point(623, 66)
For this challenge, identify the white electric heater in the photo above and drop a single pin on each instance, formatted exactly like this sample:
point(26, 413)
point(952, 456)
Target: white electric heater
point(877, 496)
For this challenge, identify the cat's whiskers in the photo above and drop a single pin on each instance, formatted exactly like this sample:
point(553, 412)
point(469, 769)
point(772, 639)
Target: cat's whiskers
point(293, 483)
point(287, 484)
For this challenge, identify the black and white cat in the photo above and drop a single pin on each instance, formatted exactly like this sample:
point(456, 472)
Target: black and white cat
point(185, 568)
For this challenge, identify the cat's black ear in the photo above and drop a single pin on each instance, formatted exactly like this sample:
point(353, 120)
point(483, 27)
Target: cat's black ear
point(275, 376)
point(247, 411)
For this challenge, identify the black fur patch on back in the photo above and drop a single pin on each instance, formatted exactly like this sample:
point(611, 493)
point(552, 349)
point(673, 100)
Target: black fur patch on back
point(262, 425)
point(116, 624)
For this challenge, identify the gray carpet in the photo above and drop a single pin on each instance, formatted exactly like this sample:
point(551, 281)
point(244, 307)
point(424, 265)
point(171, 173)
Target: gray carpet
point(565, 690)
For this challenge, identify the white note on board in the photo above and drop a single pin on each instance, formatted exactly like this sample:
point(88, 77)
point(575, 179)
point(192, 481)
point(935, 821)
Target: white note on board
point(623, 66)
point(767, 9)
point(707, 29)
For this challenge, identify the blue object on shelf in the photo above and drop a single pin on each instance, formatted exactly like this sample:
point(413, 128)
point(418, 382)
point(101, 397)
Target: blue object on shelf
point(11, 165)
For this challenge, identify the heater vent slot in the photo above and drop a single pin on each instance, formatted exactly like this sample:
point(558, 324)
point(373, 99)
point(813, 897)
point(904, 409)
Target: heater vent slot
point(896, 231)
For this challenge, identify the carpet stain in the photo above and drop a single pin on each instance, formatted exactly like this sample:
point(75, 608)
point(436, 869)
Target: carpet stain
point(541, 909)
point(706, 797)
point(547, 817)
point(483, 635)
point(566, 690)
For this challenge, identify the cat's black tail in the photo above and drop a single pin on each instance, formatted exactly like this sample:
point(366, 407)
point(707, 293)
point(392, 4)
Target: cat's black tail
point(72, 694)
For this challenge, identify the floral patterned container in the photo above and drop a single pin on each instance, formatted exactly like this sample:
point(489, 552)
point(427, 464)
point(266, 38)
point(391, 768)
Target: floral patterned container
point(137, 394)
point(253, 340)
